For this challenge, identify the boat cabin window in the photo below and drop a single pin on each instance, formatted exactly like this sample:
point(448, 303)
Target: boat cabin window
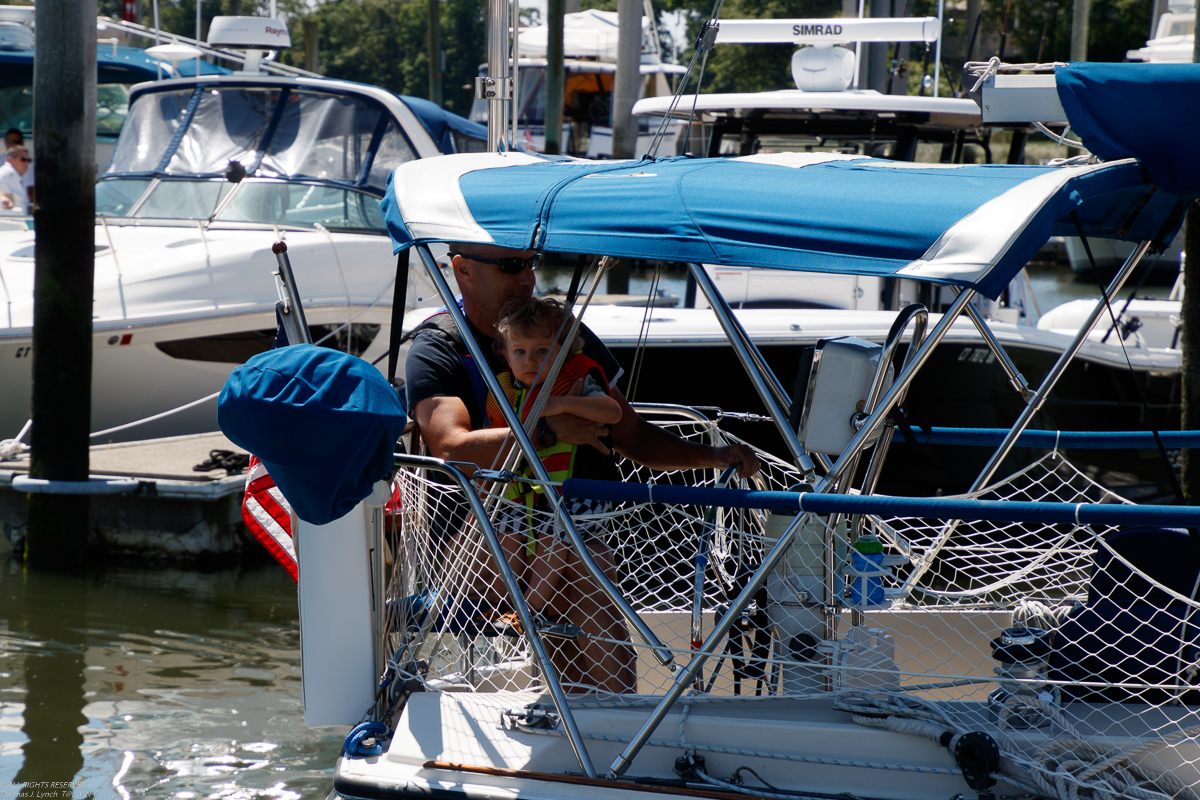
point(394, 150)
point(229, 124)
point(183, 200)
point(112, 108)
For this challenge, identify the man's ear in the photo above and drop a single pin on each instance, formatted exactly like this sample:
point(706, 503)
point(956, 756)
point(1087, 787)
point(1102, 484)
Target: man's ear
point(462, 269)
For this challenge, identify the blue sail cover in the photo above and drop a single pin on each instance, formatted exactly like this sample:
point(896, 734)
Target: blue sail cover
point(1150, 112)
point(441, 125)
point(970, 225)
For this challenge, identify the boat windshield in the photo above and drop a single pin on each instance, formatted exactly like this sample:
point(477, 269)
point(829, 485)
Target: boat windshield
point(282, 132)
point(254, 200)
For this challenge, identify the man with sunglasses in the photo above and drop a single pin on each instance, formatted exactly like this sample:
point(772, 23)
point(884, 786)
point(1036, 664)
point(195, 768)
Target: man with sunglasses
point(13, 195)
point(447, 397)
point(443, 396)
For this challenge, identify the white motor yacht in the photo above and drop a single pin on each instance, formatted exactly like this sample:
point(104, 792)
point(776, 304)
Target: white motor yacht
point(208, 173)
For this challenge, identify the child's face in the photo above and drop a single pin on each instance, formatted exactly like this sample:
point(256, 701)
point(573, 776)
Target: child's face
point(527, 352)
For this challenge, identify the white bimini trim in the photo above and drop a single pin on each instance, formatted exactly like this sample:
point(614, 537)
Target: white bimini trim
point(443, 215)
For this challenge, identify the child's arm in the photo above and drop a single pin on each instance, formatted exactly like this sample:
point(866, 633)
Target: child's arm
point(601, 409)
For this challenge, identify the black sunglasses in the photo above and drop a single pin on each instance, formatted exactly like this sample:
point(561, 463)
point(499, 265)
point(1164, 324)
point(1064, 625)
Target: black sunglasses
point(509, 266)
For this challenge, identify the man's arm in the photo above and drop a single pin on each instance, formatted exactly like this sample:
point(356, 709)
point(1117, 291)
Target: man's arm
point(602, 409)
point(640, 441)
point(446, 427)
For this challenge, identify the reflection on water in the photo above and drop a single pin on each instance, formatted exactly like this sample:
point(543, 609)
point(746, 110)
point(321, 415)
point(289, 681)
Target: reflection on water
point(157, 682)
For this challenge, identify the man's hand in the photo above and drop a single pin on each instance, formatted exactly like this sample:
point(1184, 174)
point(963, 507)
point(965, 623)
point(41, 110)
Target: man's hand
point(738, 454)
point(577, 430)
point(4, 201)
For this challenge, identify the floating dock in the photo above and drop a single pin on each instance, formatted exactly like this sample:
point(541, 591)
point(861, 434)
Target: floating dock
point(149, 501)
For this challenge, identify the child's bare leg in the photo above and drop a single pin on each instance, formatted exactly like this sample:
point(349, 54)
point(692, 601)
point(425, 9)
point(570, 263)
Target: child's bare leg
point(608, 665)
point(513, 545)
point(546, 574)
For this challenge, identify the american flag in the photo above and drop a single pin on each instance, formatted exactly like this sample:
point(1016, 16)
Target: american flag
point(269, 517)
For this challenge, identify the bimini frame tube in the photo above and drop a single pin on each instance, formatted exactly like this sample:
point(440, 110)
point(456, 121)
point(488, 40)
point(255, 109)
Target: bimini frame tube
point(1057, 371)
point(517, 430)
point(685, 678)
point(514, 594)
point(755, 365)
point(1031, 408)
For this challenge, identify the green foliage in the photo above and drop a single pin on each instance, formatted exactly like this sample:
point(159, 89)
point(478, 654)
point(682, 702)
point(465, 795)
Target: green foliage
point(384, 42)
point(379, 42)
point(1116, 26)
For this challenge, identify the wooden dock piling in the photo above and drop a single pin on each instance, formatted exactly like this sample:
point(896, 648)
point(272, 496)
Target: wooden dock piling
point(64, 119)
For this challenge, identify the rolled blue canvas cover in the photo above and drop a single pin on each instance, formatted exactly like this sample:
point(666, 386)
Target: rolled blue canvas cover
point(324, 423)
point(1145, 111)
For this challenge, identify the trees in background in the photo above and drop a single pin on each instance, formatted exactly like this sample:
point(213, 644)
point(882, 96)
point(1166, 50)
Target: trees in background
point(383, 42)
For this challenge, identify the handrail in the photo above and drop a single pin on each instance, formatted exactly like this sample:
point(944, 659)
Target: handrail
point(824, 503)
point(768, 388)
point(206, 49)
point(514, 593)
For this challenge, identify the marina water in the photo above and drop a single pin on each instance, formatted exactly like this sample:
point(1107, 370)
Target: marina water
point(155, 682)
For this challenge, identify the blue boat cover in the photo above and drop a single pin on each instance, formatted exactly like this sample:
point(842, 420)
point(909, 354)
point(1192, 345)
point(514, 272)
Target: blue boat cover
point(442, 124)
point(1150, 112)
point(970, 225)
point(324, 424)
point(128, 65)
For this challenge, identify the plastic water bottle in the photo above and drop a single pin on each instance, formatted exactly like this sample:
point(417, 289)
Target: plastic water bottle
point(867, 556)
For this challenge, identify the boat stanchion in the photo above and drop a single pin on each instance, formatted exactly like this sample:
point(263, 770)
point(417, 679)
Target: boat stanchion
point(512, 587)
point(290, 309)
point(685, 677)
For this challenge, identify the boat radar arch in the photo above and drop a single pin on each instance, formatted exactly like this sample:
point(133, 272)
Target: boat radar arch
point(826, 66)
point(258, 36)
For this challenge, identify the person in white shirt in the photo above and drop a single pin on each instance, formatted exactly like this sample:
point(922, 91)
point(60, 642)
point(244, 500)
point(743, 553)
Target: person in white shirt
point(13, 194)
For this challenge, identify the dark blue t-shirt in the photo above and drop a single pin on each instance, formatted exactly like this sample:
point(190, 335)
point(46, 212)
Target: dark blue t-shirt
point(437, 367)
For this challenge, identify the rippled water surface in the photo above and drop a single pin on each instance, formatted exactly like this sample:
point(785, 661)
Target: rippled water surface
point(156, 682)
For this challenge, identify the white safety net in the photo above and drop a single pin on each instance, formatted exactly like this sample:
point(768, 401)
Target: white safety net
point(1073, 646)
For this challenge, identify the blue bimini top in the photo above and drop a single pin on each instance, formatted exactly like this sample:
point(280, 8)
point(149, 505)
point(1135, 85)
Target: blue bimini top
point(970, 225)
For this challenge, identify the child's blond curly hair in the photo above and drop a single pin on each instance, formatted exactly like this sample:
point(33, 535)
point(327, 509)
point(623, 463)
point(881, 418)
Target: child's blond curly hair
point(537, 315)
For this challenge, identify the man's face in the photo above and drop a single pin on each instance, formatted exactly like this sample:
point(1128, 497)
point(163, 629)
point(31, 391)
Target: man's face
point(487, 286)
point(11, 139)
point(20, 161)
point(527, 353)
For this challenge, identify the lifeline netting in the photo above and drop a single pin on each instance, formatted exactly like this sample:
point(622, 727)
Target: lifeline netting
point(1109, 668)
